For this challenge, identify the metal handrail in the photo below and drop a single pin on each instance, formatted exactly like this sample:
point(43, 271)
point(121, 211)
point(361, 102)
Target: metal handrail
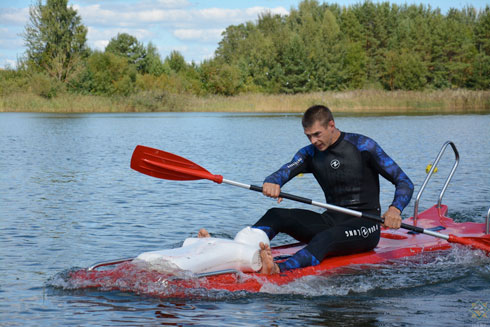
point(487, 222)
point(431, 172)
point(107, 263)
point(200, 275)
point(218, 272)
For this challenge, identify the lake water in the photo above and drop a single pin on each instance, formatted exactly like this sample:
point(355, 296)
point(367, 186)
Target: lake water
point(69, 199)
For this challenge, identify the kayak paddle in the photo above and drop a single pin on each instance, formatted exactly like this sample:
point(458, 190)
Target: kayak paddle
point(165, 165)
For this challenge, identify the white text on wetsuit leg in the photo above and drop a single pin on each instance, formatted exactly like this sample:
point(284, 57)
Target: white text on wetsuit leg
point(363, 231)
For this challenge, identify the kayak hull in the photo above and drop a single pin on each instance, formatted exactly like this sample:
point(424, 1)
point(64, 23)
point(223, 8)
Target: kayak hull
point(394, 244)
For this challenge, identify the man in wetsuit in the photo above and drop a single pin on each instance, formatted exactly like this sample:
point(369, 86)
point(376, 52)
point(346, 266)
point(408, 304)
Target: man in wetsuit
point(347, 167)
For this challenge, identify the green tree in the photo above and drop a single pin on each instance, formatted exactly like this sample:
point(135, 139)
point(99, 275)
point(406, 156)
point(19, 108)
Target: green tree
point(353, 66)
point(295, 78)
point(232, 42)
point(108, 74)
point(146, 60)
point(404, 71)
point(55, 39)
point(153, 63)
point(459, 48)
point(128, 46)
point(176, 61)
point(220, 78)
point(481, 65)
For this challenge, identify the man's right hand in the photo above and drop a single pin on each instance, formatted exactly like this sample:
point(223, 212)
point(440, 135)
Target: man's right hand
point(272, 190)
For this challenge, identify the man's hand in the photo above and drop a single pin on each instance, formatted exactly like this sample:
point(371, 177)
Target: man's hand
point(392, 218)
point(272, 190)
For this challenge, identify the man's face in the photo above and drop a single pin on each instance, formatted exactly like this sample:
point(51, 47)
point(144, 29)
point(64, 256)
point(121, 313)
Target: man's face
point(320, 136)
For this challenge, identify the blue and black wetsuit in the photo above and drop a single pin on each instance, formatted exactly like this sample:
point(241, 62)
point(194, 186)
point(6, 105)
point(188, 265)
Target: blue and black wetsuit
point(348, 173)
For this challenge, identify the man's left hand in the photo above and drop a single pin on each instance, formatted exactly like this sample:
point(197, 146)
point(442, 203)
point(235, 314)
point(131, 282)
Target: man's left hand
point(392, 218)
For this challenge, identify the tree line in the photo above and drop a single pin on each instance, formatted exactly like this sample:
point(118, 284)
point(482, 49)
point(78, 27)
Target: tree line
point(317, 47)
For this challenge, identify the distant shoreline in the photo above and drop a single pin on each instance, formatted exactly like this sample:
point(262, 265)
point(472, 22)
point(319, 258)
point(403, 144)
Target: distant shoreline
point(363, 102)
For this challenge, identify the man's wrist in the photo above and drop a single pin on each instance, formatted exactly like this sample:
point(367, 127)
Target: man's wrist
point(395, 208)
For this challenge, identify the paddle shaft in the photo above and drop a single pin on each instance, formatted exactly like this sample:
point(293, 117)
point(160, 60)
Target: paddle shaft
point(165, 165)
point(336, 208)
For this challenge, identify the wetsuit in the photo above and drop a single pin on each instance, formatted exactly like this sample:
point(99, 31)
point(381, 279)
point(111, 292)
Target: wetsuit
point(348, 173)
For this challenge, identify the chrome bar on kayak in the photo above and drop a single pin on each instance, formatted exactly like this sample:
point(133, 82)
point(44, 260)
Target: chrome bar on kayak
point(108, 263)
point(218, 272)
point(201, 275)
point(431, 172)
point(487, 222)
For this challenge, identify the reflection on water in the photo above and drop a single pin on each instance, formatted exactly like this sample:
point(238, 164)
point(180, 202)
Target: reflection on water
point(69, 199)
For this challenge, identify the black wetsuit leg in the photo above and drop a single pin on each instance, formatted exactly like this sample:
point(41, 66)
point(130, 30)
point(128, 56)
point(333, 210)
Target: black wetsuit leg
point(350, 236)
point(327, 234)
point(300, 224)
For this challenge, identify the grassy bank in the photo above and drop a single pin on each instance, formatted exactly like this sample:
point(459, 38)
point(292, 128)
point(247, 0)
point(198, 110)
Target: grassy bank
point(359, 102)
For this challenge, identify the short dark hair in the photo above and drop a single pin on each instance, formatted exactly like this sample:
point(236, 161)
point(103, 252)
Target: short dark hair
point(316, 113)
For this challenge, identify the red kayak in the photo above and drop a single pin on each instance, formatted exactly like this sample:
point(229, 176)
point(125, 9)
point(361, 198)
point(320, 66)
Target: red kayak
point(124, 275)
point(416, 236)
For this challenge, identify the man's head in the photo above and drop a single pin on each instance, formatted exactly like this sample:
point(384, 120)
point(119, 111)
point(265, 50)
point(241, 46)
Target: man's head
point(317, 113)
point(319, 127)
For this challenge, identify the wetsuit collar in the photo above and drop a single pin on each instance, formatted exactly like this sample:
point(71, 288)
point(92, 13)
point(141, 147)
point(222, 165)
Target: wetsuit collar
point(341, 137)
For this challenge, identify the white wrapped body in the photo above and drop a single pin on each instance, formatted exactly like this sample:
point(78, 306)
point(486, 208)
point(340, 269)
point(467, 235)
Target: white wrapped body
point(201, 255)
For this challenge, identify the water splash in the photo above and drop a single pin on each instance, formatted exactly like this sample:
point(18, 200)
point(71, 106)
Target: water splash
point(134, 277)
point(426, 269)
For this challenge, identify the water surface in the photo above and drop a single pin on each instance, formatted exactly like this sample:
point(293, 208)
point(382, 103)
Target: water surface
point(69, 199)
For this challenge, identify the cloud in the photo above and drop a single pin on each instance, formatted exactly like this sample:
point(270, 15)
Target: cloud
point(234, 16)
point(177, 17)
point(99, 38)
point(10, 39)
point(9, 63)
point(14, 16)
point(169, 24)
point(99, 44)
point(192, 52)
point(4, 32)
point(109, 33)
point(200, 35)
point(164, 4)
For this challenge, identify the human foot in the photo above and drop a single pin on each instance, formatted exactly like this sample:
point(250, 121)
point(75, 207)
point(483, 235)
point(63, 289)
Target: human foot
point(203, 233)
point(269, 267)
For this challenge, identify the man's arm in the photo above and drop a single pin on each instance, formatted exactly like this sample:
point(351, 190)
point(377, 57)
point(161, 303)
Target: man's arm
point(388, 168)
point(299, 164)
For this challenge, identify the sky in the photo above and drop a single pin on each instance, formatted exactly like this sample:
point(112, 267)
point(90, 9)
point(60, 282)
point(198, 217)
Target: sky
point(191, 27)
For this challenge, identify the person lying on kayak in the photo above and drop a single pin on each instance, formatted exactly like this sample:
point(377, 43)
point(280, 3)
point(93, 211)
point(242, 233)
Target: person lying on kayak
point(347, 167)
point(208, 254)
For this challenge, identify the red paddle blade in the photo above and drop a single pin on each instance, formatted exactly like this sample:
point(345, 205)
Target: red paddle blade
point(165, 165)
point(480, 243)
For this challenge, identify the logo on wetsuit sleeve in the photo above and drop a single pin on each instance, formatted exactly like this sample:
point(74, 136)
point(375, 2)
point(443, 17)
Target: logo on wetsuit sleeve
point(296, 163)
point(335, 163)
point(363, 231)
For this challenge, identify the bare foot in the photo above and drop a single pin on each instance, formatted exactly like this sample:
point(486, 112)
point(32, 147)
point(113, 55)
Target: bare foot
point(269, 267)
point(203, 233)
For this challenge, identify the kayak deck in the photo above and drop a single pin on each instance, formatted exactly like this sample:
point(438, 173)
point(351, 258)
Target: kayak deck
point(394, 244)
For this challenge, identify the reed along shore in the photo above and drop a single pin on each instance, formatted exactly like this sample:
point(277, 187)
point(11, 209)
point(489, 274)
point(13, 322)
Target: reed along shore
point(367, 102)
